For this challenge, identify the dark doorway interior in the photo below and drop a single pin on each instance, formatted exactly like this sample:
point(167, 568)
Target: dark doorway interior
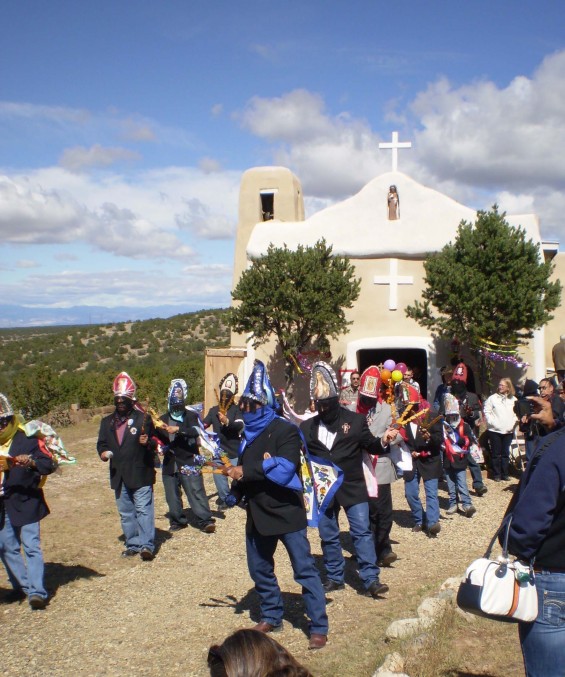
point(412, 357)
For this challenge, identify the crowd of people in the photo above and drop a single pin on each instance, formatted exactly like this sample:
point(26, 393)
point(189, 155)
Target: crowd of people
point(288, 471)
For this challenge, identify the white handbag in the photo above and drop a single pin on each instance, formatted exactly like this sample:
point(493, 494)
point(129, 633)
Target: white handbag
point(502, 589)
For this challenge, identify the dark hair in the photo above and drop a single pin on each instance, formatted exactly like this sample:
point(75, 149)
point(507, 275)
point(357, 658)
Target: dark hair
point(250, 653)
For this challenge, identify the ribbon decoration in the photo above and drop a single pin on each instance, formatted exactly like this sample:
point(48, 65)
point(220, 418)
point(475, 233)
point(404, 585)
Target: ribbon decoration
point(213, 458)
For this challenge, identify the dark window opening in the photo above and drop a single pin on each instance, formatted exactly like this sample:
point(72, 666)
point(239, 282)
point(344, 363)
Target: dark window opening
point(267, 206)
point(413, 357)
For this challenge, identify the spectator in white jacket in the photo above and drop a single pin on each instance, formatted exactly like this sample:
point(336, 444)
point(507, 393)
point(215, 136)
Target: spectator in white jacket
point(501, 421)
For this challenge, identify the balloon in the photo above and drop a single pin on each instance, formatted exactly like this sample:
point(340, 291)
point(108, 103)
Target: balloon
point(390, 365)
point(385, 374)
point(402, 367)
point(396, 376)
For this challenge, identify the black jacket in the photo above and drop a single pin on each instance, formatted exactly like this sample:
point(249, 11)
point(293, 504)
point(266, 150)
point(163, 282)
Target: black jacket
point(181, 445)
point(131, 463)
point(271, 508)
point(23, 499)
point(229, 435)
point(429, 465)
point(353, 437)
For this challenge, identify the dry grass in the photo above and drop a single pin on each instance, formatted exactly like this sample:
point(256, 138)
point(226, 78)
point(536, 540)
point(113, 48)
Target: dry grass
point(110, 616)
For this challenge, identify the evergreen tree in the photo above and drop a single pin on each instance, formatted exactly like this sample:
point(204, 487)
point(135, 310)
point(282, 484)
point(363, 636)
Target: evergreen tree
point(490, 284)
point(298, 296)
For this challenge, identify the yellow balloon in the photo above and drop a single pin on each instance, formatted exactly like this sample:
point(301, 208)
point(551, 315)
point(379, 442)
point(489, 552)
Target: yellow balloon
point(396, 376)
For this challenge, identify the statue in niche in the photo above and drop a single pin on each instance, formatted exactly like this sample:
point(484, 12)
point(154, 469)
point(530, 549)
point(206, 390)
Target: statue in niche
point(393, 202)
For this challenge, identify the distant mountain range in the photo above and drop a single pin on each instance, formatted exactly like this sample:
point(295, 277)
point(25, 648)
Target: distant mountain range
point(13, 316)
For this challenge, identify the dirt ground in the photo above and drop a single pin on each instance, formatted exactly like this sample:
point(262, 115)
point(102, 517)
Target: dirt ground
point(114, 616)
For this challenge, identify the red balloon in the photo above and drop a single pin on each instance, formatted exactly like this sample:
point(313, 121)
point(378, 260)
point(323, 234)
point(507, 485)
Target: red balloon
point(402, 367)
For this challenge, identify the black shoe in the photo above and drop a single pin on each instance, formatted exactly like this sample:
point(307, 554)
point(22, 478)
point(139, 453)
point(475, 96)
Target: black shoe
point(147, 555)
point(469, 511)
point(37, 602)
point(332, 586)
point(417, 528)
point(497, 479)
point(222, 506)
point(481, 491)
point(129, 552)
point(388, 559)
point(376, 589)
point(208, 528)
point(14, 596)
point(175, 526)
point(434, 530)
point(505, 478)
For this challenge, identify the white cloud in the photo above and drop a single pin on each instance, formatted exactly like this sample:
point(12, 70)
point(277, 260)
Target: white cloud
point(26, 263)
point(199, 219)
point(209, 165)
point(79, 158)
point(200, 285)
point(333, 156)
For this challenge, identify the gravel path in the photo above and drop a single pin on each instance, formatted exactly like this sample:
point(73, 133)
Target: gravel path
point(111, 616)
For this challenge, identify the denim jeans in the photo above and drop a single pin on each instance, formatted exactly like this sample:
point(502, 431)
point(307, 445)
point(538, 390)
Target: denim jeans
point(476, 474)
point(457, 484)
point(137, 513)
point(222, 485)
point(260, 560)
point(363, 542)
point(27, 578)
point(193, 486)
point(412, 493)
point(543, 641)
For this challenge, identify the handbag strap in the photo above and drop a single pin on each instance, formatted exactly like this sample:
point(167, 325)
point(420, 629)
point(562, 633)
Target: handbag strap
point(505, 524)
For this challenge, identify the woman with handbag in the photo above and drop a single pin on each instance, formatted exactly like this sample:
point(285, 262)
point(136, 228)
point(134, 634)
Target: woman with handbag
point(537, 531)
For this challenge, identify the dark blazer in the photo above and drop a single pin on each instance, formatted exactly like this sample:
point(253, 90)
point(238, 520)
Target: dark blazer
point(131, 463)
point(272, 509)
point(181, 445)
point(428, 466)
point(23, 499)
point(353, 437)
point(230, 434)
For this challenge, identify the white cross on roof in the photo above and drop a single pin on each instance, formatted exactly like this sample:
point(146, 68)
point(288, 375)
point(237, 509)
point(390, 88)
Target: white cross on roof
point(395, 145)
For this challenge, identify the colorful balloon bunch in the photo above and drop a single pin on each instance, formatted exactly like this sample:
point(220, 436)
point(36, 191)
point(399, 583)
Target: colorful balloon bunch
point(393, 371)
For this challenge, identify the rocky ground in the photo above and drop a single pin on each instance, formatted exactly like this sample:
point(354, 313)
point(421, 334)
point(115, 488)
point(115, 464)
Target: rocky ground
point(115, 616)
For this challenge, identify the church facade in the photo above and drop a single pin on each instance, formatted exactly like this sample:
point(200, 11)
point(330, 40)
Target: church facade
point(386, 230)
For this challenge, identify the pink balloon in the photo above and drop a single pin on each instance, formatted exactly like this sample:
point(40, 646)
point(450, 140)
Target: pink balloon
point(396, 376)
point(390, 365)
point(402, 367)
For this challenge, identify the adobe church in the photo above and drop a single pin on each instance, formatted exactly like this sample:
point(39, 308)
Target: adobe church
point(386, 229)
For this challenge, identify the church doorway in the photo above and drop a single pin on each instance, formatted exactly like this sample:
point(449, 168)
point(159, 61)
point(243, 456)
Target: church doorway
point(417, 358)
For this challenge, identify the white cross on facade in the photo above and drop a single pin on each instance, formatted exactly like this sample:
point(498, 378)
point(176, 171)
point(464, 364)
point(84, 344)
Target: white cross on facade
point(395, 145)
point(393, 279)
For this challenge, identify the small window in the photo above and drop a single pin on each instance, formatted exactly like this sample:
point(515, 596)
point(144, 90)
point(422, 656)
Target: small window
point(268, 204)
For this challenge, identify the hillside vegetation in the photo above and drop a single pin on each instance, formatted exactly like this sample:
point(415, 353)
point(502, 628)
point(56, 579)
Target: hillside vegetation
point(53, 367)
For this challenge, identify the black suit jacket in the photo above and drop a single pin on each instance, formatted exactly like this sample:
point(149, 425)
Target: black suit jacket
point(229, 435)
point(428, 466)
point(181, 445)
point(353, 437)
point(272, 509)
point(23, 499)
point(131, 463)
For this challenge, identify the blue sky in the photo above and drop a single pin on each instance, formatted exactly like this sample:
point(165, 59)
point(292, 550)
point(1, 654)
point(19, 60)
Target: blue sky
point(125, 127)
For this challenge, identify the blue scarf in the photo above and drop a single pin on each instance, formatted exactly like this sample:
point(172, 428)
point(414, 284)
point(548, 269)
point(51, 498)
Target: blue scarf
point(256, 422)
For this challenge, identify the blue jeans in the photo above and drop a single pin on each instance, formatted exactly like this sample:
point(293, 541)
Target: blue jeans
point(363, 542)
point(222, 485)
point(28, 578)
point(193, 486)
point(412, 493)
point(457, 484)
point(137, 513)
point(476, 474)
point(260, 560)
point(543, 641)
